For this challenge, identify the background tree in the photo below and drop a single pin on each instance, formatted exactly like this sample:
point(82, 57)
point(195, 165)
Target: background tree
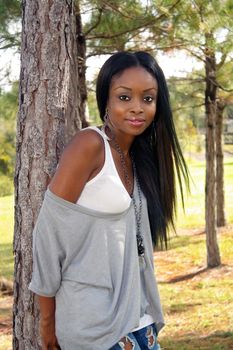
point(48, 117)
point(213, 255)
point(195, 27)
point(225, 99)
point(114, 26)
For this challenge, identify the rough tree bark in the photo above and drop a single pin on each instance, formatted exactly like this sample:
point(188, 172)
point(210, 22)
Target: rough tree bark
point(48, 117)
point(221, 219)
point(213, 255)
point(81, 47)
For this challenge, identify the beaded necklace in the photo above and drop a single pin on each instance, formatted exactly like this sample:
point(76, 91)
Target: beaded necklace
point(137, 208)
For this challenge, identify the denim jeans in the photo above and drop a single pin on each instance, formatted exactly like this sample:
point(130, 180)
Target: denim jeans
point(143, 339)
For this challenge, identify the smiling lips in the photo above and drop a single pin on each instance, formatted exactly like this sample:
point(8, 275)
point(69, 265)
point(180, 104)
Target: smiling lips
point(136, 121)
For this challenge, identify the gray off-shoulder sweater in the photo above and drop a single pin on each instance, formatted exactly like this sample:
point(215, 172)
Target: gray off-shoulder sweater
point(88, 260)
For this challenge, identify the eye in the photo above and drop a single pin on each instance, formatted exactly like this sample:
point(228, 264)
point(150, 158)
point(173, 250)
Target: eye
point(124, 98)
point(148, 98)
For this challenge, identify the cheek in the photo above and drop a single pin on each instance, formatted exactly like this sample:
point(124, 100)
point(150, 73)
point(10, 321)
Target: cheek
point(152, 110)
point(115, 107)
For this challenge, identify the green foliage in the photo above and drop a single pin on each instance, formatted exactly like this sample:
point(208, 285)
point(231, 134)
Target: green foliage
point(93, 110)
point(229, 111)
point(6, 185)
point(8, 112)
point(167, 25)
point(10, 13)
point(121, 25)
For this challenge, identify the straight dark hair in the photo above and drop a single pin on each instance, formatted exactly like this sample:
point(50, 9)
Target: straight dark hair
point(156, 152)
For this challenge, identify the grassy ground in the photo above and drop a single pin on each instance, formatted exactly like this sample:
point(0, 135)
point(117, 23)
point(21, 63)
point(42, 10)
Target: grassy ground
point(6, 236)
point(6, 268)
point(194, 215)
point(5, 322)
point(198, 303)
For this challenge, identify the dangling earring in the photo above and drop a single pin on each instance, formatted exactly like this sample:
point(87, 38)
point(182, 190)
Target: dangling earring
point(108, 126)
point(106, 116)
point(106, 119)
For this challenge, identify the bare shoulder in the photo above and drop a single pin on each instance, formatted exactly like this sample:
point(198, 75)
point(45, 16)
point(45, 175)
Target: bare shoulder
point(86, 140)
point(82, 158)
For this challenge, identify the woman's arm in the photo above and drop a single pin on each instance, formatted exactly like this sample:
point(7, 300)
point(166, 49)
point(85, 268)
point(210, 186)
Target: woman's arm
point(81, 160)
point(47, 323)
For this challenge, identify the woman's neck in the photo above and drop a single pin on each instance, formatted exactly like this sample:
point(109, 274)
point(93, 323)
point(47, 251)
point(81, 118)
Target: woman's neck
point(122, 140)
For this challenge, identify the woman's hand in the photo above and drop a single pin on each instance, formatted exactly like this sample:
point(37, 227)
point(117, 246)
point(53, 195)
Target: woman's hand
point(47, 323)
point(48, 336)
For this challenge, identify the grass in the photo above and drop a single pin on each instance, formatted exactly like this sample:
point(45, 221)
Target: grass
point(6, 268)
point(194, 214)
point(6, 236)
point(197, 303)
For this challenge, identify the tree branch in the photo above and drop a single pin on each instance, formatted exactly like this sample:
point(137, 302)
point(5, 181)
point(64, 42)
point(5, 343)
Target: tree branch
point(142, 25)
point(187, 107)
point(116, 35)
point(184, 79)
point(194, 54)
point(96, 24)
point(223, 88)
point(114, 8)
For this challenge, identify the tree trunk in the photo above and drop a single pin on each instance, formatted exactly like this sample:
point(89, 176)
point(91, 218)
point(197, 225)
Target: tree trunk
point(213, 256)
point(48, 117)
point(221, 221)
point(81, 46)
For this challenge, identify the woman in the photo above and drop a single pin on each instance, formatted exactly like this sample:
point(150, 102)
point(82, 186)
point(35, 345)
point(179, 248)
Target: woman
point(110, 201)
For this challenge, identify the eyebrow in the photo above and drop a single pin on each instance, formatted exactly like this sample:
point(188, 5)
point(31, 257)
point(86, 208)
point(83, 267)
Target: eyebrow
point(127, 88)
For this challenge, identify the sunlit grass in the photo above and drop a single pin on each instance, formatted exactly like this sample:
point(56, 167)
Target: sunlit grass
point(194, 214)
point(5, 342)
point(198, 303)
point(6, 236)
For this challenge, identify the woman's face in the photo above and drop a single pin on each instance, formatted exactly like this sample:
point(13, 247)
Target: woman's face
point(132, 101)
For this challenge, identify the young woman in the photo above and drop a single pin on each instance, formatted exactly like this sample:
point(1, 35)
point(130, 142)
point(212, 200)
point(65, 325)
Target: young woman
point(110, 201)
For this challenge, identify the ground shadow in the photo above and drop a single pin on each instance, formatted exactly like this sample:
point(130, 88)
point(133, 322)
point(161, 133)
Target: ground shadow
point(215, 341)
point(182, 241)
point(181, 307)
point(187, 276)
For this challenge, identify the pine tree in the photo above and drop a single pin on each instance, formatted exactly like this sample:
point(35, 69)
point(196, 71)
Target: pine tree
point(47, 119)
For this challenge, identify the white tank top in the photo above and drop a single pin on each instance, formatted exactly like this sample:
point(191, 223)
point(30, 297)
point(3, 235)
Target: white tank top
point(105, 192)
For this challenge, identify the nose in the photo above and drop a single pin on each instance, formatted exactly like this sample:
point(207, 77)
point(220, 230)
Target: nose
point(136, 107)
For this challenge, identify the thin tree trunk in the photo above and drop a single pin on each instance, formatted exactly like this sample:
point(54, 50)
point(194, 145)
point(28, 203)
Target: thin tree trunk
point(81, 46)
point(48, 117)
point(221, 221)
point(213, 256)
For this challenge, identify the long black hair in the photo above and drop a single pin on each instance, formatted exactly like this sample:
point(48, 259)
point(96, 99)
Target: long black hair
point(156, 152)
